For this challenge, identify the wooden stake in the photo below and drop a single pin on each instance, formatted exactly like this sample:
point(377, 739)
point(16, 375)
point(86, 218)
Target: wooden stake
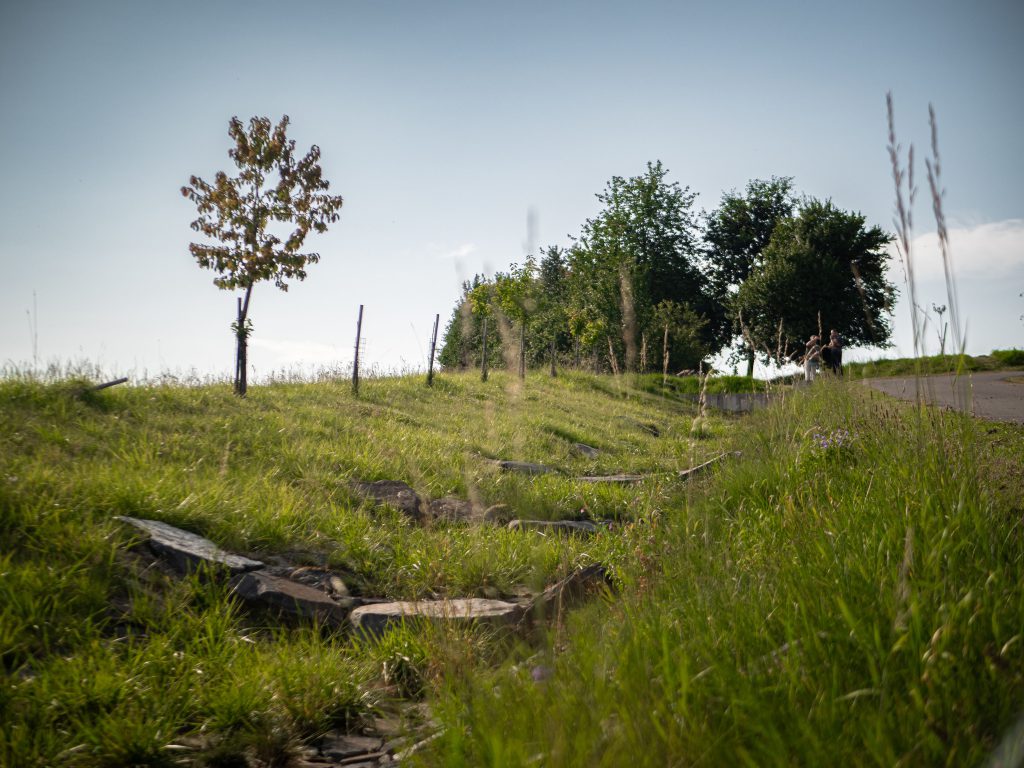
point(355, 363)
point(433, 347)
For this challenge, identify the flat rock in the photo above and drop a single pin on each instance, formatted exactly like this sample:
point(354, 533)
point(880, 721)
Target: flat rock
point(188, 551)
point(585, 450)
point(395, 494)
point(342, 746)
point(319, 578)
point(451, 510)
point(617, 479)
point(576, 527)
point(701, 467)
point(287, 597)
point(573, 589)
point(523, 467)
point(375, 620)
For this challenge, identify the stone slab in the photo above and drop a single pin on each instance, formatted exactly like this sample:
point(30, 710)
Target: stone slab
point(523, 467)
point(615, 479)
point(701, 467)
point(375, 620)
point(287, 597)
point(576, 527)
point(188, 551)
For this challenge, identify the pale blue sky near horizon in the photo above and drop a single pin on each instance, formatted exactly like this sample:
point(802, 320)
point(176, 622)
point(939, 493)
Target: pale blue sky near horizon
point(442, 124)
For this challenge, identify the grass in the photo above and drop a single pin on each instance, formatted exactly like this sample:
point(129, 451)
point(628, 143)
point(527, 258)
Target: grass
point(831, 600)
point(999, 360)
point(109, 661)
point(849, 591)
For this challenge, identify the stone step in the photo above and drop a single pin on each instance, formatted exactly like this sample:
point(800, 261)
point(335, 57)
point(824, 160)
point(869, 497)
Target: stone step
point(375, 620)
point(187, 551)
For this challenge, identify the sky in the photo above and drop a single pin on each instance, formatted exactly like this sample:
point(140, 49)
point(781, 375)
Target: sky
point(446, 126)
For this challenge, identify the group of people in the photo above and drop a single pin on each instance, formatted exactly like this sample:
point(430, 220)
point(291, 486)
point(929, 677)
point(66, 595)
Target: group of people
point(831, 355)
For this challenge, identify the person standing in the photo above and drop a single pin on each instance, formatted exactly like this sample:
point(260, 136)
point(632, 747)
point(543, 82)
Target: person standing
point(835, 352)
point(812, 356)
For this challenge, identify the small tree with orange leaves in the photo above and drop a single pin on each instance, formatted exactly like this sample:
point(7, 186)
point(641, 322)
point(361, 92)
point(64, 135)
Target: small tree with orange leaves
point(259, 219)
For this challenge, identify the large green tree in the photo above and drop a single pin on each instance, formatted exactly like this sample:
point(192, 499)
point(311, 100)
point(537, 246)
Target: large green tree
point(259, 218)
point(736, 235)
point(640, 250)
point(823, 269)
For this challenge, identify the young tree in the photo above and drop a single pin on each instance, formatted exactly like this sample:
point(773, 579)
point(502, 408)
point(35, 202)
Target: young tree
point(463, 344)
point(515, 294)
point(551, 321)
point(260, 218)
point(826, 264)
point(736, 235)
point(680, 328)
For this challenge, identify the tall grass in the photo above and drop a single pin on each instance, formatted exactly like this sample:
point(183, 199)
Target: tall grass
point(842, 596)
point(849, 593)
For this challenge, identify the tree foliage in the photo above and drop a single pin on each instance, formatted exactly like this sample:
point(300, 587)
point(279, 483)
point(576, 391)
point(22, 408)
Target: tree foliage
point(258, 219)
point(462, 345)
point(644, 287)
point(826, 263)
point(640, 250)
point(736, 235)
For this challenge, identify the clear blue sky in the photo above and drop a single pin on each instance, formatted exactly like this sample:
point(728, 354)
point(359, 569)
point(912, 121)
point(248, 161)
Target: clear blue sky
point(442, 124)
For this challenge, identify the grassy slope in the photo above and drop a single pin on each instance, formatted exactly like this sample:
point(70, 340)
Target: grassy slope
point(853, 603)
point(834, 599)
point(113, 661)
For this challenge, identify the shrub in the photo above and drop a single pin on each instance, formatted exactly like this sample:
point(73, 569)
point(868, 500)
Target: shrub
point(1009, 356)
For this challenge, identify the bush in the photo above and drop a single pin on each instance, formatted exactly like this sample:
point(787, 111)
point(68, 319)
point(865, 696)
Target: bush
point(1009, 356)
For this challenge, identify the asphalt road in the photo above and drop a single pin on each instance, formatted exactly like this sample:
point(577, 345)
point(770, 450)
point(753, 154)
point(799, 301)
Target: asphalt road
point(987, 394)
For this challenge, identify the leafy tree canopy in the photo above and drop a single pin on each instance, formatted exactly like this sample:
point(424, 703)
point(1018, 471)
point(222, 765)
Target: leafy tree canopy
point(274, 186)
point(640, 250)
point(738, 231)
point(822, 263)
point(258, 219)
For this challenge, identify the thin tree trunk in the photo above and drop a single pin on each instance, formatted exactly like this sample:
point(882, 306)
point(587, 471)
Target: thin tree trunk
point(522, 350)
point(553, 371)
point(664, 358)
point(483, 362)
point(611, 358)
point(750, 363)
point(242, 336)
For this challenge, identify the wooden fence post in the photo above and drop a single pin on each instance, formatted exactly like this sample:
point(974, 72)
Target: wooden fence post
point(355, 362)
point(433, 348)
